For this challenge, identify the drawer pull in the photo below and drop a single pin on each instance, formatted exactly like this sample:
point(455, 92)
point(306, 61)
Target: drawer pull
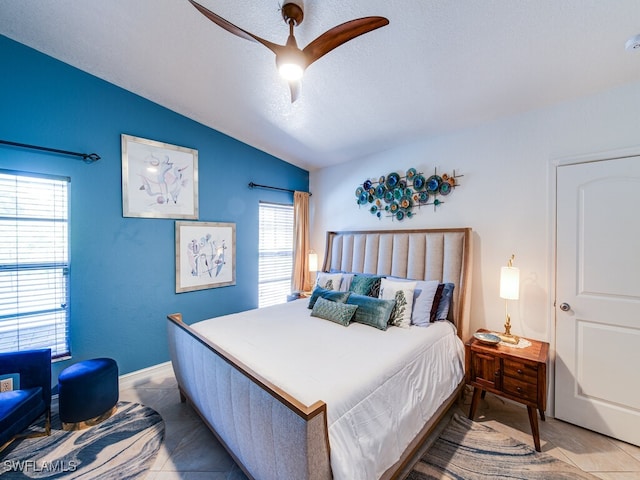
point(496, 373)
point(519, 389)
point(520, 372)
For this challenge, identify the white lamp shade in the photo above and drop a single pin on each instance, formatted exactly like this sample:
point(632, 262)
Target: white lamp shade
point(313, 262)
point(509, 283)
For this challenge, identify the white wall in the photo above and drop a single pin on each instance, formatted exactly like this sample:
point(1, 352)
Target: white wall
point(506, 195)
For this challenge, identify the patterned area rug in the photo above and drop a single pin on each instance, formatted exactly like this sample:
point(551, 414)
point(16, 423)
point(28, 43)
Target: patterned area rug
point(471, 451)
point(122, 447)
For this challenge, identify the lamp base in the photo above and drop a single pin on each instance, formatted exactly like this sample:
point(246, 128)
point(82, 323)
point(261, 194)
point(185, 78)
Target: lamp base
point(508, 338)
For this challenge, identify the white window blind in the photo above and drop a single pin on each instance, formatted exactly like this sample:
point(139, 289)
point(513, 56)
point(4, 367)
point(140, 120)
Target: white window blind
point(275, 253)
point(34, 262)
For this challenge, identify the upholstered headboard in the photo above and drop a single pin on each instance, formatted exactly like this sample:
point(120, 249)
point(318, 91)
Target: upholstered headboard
point(436, 254)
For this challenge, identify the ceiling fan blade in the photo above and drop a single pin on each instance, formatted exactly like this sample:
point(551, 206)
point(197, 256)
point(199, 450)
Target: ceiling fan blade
point(340, 34)
point(230, 27)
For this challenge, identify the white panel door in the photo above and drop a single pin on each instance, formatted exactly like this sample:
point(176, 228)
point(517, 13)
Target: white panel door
point(598, 297)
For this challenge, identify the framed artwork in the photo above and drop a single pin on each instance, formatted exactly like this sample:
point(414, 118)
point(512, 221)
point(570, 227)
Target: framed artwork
point(159, 180)
point(205, 255)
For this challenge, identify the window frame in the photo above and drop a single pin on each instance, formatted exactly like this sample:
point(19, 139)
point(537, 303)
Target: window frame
point(43, 275)
point(275, 280)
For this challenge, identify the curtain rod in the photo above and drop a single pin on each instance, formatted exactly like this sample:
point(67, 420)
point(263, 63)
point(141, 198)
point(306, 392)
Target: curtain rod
point(87, 157)
point(257, 185)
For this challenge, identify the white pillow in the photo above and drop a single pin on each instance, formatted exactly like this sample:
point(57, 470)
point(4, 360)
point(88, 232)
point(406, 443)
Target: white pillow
point(346, 281)
point(329, 281)
point(423, 295)
point(402, 293)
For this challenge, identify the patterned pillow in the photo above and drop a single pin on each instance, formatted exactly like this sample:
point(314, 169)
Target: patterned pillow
point(402, 293)
point(328, 294)
point(423, 300)
point(372, 311)
point(341, 313)
point(346, 281)
point(366, 285)
point(329, 281)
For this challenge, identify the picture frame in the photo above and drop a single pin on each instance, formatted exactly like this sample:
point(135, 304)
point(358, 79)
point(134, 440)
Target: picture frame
point(205, 255)
point(159, 180)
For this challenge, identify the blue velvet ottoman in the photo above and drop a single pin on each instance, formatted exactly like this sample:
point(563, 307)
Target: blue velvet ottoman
point(87, 393)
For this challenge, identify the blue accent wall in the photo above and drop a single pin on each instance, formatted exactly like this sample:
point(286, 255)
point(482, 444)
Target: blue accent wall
point(123, 269)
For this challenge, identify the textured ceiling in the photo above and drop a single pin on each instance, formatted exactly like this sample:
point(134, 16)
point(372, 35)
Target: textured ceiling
point(439, 66)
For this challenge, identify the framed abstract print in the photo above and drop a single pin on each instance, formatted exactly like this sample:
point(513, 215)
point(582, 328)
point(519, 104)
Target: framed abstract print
point(205, 255)
point(159, 180)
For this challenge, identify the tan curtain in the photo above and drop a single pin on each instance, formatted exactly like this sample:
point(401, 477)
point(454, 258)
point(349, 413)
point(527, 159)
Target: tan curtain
point(300, 280)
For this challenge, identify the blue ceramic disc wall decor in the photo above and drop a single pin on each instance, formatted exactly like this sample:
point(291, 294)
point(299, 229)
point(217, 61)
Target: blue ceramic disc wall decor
point(397, 196)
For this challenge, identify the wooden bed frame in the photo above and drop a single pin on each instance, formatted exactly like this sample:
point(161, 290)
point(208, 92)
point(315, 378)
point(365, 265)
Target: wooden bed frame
point(267, 430)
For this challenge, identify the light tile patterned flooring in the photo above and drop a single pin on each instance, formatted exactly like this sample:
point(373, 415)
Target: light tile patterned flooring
point(191, 452)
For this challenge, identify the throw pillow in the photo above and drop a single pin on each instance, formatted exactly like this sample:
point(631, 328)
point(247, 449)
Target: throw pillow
point(365, 285)
point(371, 311)
point(329, 281)
point(402, 293)
point(328, 294)
point(436, 302)
point(346, 281)
point(445, 302)
point(423, 300)
point(341, 313)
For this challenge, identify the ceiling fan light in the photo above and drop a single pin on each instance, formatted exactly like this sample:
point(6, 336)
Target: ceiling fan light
point(290, 71)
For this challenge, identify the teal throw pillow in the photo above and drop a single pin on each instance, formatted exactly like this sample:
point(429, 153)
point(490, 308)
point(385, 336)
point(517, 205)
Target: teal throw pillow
point(336, 312)
point(372, 311)
point(328, 294)
point(365, 285)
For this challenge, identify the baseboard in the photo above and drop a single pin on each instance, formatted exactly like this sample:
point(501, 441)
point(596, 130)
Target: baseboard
point(140, 377)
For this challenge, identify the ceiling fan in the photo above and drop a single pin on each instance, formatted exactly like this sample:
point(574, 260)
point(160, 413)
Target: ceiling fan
point(291, 60)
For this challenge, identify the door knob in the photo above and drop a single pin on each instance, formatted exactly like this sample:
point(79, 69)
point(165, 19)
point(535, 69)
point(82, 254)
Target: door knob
point(565, 307)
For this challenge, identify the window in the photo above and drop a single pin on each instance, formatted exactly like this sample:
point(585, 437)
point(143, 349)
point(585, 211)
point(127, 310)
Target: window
point(34, 262)
point(275, 253)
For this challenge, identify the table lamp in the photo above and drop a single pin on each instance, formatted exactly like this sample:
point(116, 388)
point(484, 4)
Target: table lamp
point(313, 266)
point(509, 290)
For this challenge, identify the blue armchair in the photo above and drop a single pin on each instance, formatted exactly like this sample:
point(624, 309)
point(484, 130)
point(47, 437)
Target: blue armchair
point(20, 408)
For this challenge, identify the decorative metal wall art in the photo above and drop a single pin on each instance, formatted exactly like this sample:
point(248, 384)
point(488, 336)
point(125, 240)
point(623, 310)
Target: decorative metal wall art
point(396, 196)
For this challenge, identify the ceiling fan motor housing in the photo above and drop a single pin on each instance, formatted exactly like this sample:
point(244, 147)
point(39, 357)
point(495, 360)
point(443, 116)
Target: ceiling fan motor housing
point(292, 11)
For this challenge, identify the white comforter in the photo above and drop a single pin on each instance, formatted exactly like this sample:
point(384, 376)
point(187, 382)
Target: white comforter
point(380, 387)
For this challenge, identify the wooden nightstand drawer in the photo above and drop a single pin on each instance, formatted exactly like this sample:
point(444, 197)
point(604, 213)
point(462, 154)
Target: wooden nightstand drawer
point(517, 388)
point(525, 372)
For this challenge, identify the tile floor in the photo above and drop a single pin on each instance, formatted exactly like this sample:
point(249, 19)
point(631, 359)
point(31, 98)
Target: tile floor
point(602, 456)
point(191, 452)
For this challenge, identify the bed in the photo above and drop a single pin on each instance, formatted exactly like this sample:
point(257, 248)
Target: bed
point(342, 403)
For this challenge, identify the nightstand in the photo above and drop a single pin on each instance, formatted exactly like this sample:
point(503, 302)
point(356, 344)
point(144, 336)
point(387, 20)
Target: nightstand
point(297, 295)
point(519, 374)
